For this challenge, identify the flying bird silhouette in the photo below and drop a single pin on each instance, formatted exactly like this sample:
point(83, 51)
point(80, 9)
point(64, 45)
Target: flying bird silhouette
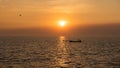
point(20, 14)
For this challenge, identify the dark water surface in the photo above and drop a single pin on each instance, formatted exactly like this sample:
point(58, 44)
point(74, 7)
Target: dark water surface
point(55, 53)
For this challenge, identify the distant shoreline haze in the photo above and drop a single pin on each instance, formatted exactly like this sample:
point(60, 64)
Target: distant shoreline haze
point(101, 30)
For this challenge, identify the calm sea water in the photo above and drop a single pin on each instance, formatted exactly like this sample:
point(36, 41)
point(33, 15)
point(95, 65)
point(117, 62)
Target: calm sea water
point(55, 53)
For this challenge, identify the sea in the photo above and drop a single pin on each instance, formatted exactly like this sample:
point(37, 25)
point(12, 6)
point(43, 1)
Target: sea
point(55, 52)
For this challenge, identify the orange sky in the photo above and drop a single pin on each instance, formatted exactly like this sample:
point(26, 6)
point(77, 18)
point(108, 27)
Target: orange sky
point(46, 13)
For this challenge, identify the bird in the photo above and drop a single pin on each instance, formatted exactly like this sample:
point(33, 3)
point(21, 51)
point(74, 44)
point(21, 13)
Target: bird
point(20, 14)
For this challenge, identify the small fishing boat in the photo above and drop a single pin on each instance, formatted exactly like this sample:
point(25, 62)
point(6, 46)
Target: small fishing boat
point(73, 41)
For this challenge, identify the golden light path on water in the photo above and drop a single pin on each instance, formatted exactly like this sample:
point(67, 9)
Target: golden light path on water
point(63, 53)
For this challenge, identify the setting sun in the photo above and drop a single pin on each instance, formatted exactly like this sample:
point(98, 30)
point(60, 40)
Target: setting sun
point(62, 23)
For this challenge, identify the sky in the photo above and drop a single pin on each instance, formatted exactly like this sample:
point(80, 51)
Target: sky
point(44, 14)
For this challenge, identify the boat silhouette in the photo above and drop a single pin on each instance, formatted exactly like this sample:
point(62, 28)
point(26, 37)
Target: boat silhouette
point(74, 41)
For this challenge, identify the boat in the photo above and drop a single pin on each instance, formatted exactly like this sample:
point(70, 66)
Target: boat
point(74, 41)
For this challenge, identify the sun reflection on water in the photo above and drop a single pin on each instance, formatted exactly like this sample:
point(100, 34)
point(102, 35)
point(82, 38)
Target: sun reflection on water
point(62, 53)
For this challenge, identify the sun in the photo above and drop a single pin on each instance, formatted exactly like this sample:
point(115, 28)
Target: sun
point(62, 23)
